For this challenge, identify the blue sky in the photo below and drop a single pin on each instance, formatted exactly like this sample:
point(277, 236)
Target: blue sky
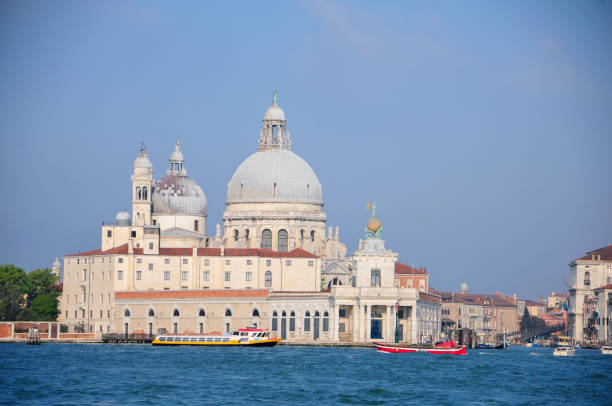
point(482, 129)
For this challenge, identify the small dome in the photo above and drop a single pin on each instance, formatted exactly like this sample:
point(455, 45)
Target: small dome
point(464, 287)
point(178, 194)
point(275, 113)
point(142, 161)
point(56, 262)
point(274, 176)
point(123, 219)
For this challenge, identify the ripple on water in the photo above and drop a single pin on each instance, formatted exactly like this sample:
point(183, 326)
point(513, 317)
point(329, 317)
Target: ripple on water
point(124, 374)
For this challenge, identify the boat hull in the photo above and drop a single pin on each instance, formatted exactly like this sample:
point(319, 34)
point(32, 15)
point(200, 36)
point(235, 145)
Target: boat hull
point(395, 348)
point(262, 343)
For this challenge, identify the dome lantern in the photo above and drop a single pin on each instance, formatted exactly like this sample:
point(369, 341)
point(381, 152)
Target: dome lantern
point(274, 134)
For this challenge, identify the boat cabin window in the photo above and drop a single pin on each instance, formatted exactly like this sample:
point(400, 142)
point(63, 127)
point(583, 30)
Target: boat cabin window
point(244, 333)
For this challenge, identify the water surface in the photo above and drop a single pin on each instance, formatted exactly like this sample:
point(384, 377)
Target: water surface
point(107, 374)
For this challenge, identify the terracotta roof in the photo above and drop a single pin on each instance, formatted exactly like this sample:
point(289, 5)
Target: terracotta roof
point(403, 269)
point(205, 252)
point(605, 253)
point(429, 297)
point(608, 286)
point(496, 299)
point(191, 294)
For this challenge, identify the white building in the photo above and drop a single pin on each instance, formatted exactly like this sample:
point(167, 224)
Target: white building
point(158, 269)
point(587, 273)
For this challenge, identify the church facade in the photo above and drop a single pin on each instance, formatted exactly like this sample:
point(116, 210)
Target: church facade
point(270, 264)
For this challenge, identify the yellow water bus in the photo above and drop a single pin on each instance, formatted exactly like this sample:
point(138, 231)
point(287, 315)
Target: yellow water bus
point(243, 337)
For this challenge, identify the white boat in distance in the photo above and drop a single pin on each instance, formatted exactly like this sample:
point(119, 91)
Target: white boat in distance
point(606, 350)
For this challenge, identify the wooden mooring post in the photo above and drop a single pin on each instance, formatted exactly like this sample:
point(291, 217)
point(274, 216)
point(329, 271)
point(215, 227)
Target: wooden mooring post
point(33, 336)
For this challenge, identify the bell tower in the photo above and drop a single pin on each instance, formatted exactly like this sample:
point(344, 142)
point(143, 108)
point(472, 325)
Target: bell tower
point(142, 189)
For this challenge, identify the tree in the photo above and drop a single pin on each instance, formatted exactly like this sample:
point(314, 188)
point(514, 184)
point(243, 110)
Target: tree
point(13, 282)
point(44, 307)
point(31, 296)
point(525, 320)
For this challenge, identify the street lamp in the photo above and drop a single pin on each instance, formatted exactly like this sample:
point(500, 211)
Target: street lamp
point(396, 322)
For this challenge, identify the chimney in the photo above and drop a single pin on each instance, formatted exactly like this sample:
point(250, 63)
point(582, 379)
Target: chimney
point(515, 296)
point(599, 257)
point(539, 298)
point(222, 250)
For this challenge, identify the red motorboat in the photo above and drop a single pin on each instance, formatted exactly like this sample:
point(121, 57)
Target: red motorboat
point(438, 349)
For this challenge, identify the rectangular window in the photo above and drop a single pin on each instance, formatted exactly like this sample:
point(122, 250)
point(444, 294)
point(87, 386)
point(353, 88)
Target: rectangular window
point(206, 262)
point(154, 222)
point(310, 262)
point(227, 262)
point(185, 260)
point(166, 260)
point(184, 288)
point(288, 262)
point(196, 225)
point(228, 276)
point(138, 275)
point(120, 260)
point(268, 262)
point(109, 233)
point(184, 276)
point(133, 234)
point(150, 245)
point(292, 324)
point(119, 275)
point(150, 267)
point(84, 274)
point(139, 260)
point(306, 323)
point(375, 277)
point(166, 275)
point(249, 276)
point(249, 262)
point(206, 275)
point(342, 313)
point(340, 327)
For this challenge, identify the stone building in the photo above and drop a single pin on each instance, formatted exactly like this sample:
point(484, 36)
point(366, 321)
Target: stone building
point(603, 314)
point(271, 264)
point(587, 273)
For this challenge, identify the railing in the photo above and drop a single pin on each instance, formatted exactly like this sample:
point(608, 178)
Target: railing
point(137, 338)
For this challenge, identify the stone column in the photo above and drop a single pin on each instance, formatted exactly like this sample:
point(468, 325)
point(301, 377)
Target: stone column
point(368, 326)
point(336, 337)
point(387, 335)
point(358, 322)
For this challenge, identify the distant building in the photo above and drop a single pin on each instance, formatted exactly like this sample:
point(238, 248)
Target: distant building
point(487, 315)
point(603, 314)
point(556, 300)
point(587, 274)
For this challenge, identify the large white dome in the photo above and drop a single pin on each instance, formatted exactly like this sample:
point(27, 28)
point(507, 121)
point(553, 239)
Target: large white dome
point(274, 176)
point(178, 194)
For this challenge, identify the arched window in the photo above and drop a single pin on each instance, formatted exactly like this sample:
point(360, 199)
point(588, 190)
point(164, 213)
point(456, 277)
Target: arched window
point(144, 193)
point(202, 313)
point(255, 313)
point(284, 314)
point(587, 278)
point(268, 279)
point(325, 321)
point(246, 234)
point(307, 321)
point(301, 235)
point(292, 321)
point(228, 313)
point(176, 313)
point(312, 236)
point(138, 194)
point(151, 313)
point(275, 321)
point(283, 240)
point(236, 235)
point(126, 313)
point(266, 239)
